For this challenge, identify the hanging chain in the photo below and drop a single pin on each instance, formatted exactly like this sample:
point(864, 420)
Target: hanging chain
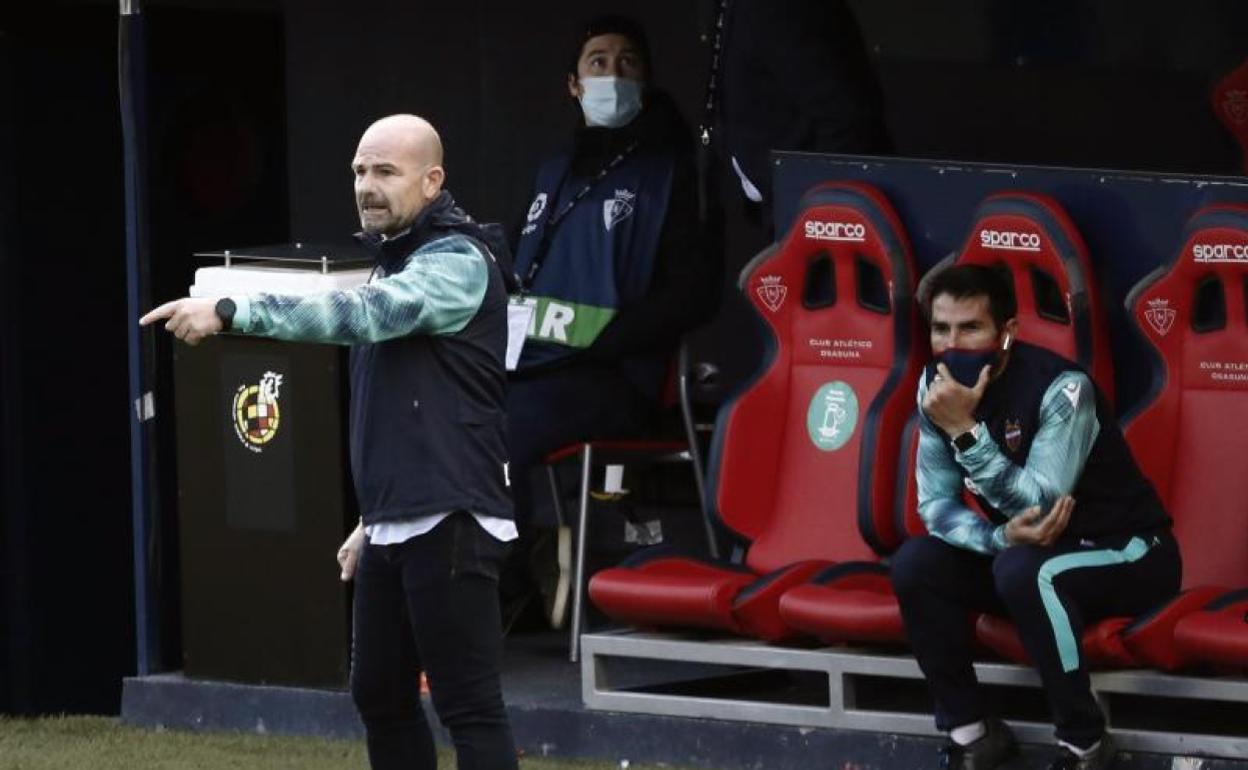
point(712, 81)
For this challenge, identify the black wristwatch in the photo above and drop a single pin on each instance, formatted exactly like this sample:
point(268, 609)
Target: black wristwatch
point(225, 311)
point(965, 440)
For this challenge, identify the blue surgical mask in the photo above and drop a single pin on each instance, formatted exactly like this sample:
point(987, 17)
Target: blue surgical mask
point(965, 365)
point(610, 101)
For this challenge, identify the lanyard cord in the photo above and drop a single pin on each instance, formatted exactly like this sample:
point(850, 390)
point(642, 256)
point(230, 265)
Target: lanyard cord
point(712, 81)
point(557, 218)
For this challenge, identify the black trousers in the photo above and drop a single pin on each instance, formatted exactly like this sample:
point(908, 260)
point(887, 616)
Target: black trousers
point(549, 411)
point(431, 604)
point(1051, 594)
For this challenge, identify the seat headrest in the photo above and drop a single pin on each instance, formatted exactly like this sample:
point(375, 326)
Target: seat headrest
point(1032, 236)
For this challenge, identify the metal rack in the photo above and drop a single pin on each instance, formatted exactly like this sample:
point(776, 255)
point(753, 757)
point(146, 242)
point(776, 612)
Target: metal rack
point(847, 670)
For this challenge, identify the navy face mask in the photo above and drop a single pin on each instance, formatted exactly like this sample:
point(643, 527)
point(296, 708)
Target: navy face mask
point(965, 365)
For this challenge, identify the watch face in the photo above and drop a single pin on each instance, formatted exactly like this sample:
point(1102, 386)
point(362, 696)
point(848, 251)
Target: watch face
point(964, 441)
point(225, 310)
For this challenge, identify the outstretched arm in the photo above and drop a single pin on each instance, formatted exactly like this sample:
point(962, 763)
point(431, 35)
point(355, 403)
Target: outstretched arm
point(438, 291)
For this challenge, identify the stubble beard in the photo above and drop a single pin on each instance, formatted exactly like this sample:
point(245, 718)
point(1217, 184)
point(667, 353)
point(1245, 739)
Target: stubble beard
point(377, 221)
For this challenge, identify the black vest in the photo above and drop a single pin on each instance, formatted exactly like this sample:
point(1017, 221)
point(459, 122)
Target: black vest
point(600, 259)
point(1112, 496)
point(428, 421)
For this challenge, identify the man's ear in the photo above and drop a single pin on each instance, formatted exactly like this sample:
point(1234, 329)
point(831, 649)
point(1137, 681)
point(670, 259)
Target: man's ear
point(432, 184)
point(1011, 334)
point(574, 86)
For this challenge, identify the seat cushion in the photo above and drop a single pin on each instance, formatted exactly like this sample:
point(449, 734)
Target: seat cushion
point(1150, 638)
point(670, 591)
point(846, 603)
point(757, 608)
point(1101, 645)
point(1218, 634)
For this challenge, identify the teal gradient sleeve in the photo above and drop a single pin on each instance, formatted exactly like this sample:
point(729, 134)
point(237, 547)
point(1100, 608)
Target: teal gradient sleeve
point(438, 291)
point(1067, 429)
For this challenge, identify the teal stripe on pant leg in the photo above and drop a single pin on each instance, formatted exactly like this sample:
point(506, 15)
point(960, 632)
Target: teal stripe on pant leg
point(1067, 644)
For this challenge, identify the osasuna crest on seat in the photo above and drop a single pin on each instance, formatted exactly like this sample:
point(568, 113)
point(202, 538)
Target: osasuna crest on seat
point(772, 292)
point(1160, 315)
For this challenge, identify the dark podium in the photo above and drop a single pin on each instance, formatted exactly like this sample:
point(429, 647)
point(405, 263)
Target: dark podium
point(264, 490)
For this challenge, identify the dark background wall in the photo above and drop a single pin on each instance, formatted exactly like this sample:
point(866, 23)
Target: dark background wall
point(1104, 84)
point(10, 439)
point(488, 74)
point(256, 109)
point(1110, 84)
point(218, 174)
point(68, 625)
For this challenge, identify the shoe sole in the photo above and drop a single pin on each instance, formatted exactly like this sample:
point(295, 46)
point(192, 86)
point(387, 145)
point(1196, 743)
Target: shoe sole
point(563, 557)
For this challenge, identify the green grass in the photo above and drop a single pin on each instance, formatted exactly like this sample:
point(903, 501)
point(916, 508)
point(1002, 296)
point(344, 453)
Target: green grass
point(98, 743)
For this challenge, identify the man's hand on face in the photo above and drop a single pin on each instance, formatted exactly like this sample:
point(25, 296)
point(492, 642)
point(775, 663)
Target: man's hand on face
point(190, 319)
point(1032, 527)
point(950, 404)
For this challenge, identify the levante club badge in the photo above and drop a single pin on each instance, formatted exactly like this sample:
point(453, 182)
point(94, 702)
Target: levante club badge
point(1013, 434)
point(257, 414)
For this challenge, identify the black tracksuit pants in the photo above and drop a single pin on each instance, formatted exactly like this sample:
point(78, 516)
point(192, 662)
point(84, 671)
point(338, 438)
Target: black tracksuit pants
point(1050, 593)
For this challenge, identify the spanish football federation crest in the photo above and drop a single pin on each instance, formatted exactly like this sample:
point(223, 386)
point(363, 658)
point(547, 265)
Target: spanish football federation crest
point(256, 412)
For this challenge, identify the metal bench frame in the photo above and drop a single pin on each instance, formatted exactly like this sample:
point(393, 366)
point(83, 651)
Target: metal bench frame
point(841, 665)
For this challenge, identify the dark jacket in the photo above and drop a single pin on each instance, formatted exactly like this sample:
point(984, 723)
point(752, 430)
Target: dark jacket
point(685, 280)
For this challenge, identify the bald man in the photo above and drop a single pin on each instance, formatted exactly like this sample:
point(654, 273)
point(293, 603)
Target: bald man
point(428, 456)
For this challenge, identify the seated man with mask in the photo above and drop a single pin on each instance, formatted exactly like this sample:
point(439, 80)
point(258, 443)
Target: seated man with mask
point(610, 260)
point(1074, 531)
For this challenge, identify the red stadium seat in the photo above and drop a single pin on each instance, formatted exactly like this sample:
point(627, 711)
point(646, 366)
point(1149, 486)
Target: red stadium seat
point(1191, 438)
point(1218, 633)
point(1058, 308)
point(802, 466)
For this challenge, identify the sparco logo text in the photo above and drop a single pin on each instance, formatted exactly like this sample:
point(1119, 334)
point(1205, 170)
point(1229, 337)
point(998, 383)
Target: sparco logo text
point(1009, 240)
point(835, 231)
point(1220, 252)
